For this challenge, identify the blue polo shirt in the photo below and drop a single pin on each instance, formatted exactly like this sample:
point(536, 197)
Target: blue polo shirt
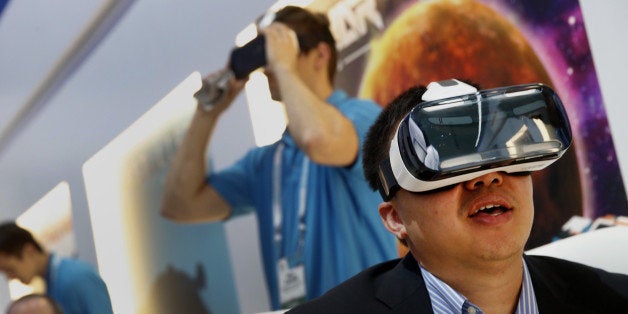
point(344, 233)
point(76, 287)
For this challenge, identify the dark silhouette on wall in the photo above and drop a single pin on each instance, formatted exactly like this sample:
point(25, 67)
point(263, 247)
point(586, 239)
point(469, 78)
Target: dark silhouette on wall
point(174, 291)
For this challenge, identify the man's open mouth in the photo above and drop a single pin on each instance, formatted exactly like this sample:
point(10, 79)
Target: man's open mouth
point(491, 210)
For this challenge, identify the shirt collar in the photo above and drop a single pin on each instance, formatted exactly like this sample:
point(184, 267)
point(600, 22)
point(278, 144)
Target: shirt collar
point(445, 299)
point(337, 97)
point(51, 271)
point(49, 267)
point(527, 299)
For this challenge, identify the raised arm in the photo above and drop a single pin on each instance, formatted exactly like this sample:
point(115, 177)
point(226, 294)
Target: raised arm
point(319, 128)
point(187, 196)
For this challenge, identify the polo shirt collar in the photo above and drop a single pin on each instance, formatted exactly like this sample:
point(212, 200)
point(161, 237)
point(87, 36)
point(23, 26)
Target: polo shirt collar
point(337, 97)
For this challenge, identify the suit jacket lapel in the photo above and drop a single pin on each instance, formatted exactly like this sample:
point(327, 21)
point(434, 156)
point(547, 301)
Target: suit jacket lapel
point(403, 290)
point(549, 290)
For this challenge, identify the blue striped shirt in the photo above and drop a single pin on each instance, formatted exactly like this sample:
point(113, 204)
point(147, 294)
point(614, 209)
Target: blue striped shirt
point(446, 300)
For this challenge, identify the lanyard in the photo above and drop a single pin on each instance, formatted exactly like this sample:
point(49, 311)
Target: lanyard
point(277, 207)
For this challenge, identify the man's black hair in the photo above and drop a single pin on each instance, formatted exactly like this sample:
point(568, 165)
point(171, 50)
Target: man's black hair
point(13, 238)
point(377, 143)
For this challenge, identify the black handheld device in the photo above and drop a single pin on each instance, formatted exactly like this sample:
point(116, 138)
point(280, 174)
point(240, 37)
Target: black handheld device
point(248, 58)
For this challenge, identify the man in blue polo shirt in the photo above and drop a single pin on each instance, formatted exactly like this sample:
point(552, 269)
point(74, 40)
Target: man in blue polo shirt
point(73, 284)
point(317, 216)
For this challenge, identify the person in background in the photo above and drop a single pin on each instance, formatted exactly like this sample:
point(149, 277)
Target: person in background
point(454, 172)
point(73, 284)
point(35, 303)
point(317, 226)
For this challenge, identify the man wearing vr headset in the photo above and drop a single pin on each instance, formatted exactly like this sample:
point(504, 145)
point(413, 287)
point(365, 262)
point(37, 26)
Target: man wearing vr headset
point(313, 205)
point(453, 167)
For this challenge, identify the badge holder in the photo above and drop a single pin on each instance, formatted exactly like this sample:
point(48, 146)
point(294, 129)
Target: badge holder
point(291, 279)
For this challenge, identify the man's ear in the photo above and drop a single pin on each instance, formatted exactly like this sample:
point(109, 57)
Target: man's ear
point(323, 53)
point(28, 251)
point(390, 217)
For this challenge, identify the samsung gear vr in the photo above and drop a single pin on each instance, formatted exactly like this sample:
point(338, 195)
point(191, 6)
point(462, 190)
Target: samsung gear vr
point(458, 133)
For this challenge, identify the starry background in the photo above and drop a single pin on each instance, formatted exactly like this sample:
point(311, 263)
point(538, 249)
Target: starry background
point(557, 32)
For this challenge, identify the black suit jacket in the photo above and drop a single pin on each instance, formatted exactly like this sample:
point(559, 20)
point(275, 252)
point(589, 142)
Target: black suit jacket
point(397, 286)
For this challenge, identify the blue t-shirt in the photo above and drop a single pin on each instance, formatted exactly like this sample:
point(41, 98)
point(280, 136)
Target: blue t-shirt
point(344, 233)
point(76, 287)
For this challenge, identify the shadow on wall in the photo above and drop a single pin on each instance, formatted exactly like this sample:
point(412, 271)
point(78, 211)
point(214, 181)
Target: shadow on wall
point(174, 291)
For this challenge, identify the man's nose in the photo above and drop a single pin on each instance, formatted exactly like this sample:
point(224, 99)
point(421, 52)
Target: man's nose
point(485, 180)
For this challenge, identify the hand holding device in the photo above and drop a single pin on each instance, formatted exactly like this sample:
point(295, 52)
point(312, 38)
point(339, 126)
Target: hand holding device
point(242, 61)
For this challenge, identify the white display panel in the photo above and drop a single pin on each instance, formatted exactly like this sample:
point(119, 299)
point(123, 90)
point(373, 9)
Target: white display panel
point(146, 260)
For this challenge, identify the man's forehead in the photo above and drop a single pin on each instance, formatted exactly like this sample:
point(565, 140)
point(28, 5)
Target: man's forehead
point(6, 256)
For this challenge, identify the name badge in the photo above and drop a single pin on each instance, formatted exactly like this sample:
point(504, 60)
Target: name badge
point(291, 283)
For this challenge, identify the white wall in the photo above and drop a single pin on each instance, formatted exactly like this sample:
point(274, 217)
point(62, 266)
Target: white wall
point(156, 45)
point(606, 28)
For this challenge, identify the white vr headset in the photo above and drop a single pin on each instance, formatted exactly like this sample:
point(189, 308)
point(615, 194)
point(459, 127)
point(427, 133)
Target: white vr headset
point(459, 133)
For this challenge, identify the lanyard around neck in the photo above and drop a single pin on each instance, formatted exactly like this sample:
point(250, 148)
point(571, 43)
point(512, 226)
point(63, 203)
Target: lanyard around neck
point(277, 199)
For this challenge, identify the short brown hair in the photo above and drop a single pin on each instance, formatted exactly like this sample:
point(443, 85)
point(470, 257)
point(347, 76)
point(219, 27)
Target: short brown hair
point(311, 28)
